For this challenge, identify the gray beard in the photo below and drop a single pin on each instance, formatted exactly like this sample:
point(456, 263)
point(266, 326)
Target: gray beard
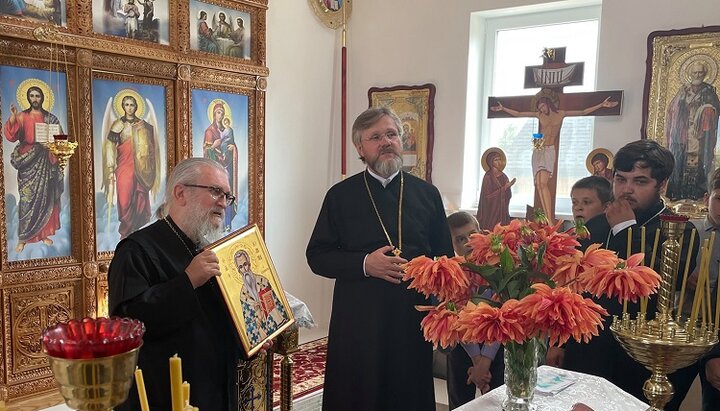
point(201, 229)
point(386, 168)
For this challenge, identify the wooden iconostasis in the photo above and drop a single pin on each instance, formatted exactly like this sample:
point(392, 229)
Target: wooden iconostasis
point(195, 72)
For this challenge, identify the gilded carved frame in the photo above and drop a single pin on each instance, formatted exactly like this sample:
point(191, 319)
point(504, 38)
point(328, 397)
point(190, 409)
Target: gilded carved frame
point(147, 78)
point(30, 290)
point(415, 105)
point(681, 105)
point(669, 52)
point(27, 55)
point(79, 33)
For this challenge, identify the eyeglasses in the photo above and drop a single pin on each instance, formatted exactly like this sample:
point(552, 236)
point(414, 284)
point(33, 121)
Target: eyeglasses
point(390, 135)
point(215, 192)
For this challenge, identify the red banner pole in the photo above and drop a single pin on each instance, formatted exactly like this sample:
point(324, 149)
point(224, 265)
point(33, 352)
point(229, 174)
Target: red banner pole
point(343, 98)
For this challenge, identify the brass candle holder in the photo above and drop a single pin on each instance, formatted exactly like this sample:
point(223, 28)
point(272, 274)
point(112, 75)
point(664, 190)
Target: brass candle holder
point(62, 149)
point(96, 384)
point(93, 360)
point(665, 344)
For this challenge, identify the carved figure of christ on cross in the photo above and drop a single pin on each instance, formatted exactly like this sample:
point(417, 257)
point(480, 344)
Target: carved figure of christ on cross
point(550, 106)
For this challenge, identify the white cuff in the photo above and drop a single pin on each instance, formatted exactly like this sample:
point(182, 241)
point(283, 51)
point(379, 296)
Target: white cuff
point(621, 226)
point(365, 259)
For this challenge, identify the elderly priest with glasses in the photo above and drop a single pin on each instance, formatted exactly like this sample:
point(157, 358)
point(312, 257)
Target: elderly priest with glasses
point(161, 276)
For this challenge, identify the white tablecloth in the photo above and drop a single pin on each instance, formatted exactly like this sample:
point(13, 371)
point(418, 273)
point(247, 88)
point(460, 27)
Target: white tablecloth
point(595, 392)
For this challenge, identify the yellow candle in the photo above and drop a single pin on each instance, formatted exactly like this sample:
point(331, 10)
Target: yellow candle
point(176, 393)
point(685, 275)
point(140, 382)
point(717, 306)
point(707, 297)
point(186, 392)
point(655, 246)
point(642, 239)
point(643, 307)
point(629, 243)
point(704, 256)
point(707, 280)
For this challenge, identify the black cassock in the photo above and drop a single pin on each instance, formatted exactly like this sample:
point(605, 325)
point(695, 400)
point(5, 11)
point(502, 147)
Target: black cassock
point(377, 356)
point(603, 355)
point(147, 281)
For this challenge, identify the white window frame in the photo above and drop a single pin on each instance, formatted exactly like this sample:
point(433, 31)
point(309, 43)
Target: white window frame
point(483, 28)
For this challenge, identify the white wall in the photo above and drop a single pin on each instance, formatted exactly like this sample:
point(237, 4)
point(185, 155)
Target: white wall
point(302, 144)
point(408, 42)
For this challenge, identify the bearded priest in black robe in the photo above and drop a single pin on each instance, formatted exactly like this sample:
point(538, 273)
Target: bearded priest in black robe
point(369, 225)
point(161, 276)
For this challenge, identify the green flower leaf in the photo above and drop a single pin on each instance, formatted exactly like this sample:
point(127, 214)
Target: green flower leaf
point(506, 261)
point(541, 255)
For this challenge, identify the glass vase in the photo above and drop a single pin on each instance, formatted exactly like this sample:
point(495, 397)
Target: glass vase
point(521, 362)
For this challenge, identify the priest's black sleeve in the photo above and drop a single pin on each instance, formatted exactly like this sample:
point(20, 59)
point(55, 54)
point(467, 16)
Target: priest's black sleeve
point(136, 289)
point(325, 254)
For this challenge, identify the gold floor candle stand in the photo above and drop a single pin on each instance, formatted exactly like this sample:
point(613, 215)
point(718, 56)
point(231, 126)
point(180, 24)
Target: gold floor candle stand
point(286, 344)
point(664, 345)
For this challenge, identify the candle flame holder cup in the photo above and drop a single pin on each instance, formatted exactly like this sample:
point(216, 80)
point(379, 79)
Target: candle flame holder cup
point(664, 345)
point(62, 149)
point(93, 360)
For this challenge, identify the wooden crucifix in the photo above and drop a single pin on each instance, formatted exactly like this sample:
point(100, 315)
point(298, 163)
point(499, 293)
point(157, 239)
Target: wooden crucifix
point(550, 106)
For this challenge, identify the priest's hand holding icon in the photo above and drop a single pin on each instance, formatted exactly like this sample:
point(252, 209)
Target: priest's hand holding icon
point(203, 267)
point(380, 265)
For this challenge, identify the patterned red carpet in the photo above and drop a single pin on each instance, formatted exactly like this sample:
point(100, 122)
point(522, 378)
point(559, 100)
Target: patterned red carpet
point(308, 370)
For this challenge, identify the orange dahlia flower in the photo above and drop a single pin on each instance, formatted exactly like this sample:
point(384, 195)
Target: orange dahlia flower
point(439, 325)
point(486, 249)
point(483, 324)
point(560, 313)
point(568, 271)
point(443, 277)
point(595, 256)
point(628, 280)
point(557, 245)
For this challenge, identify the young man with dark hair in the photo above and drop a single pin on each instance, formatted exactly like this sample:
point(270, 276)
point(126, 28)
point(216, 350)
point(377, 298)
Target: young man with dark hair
point(642, 170)
point(470, 366)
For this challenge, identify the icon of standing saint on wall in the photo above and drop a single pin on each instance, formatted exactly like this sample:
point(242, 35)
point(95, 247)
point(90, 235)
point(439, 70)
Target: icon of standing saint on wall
point(691, 128)
point(39, 177)
point(131, 159)
point(495, 192)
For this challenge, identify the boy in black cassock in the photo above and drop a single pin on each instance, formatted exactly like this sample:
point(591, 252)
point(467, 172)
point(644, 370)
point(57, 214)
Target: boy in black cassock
point(369, 225)
point(642, 169)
